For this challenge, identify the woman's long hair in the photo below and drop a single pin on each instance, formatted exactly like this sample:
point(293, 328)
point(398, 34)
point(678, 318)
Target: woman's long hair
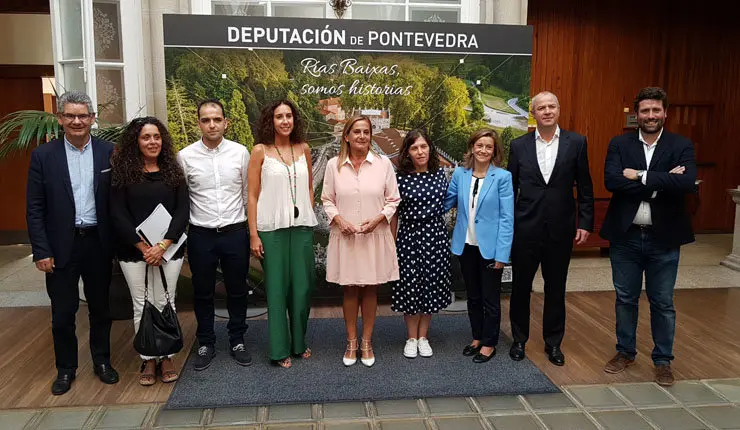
point(266, 123)
point(344, 144)
point(498, 148)
point(405, 163)
point(127, 163)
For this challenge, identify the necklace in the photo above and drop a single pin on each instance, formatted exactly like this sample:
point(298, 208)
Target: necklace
point(292, 183)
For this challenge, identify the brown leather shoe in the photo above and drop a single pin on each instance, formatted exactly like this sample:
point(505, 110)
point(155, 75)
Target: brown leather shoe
point(664, 375)
point(618, 363)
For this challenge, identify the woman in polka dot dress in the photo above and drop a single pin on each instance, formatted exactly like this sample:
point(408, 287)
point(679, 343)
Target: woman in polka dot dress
point(422, 242)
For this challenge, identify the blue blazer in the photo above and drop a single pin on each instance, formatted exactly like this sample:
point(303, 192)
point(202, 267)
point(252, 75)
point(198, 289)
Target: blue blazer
point(494, 216)
point(50, 205)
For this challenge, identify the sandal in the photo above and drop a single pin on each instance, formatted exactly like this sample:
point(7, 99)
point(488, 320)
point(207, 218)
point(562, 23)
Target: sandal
point(350, 354)
point(285, 363)
point(148, 371)
point(367, 350)
point(306, 353)
point(167, 371)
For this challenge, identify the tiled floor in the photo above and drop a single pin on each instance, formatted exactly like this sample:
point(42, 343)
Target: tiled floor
point(689, 405)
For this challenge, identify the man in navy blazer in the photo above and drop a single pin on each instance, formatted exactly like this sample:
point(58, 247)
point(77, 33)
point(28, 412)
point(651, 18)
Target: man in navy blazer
point(69, 228)
point(649, 173)
point(545, 166)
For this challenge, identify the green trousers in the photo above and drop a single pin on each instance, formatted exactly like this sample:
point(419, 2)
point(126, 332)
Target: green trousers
point(289, 282)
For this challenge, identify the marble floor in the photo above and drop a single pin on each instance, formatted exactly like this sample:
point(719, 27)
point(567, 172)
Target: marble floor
point(688, 405)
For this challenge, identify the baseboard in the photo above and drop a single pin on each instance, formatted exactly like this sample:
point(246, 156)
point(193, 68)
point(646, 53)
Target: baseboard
point(14, 237)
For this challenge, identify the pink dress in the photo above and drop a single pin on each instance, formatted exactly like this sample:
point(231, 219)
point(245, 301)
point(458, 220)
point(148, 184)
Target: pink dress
point(361, 259)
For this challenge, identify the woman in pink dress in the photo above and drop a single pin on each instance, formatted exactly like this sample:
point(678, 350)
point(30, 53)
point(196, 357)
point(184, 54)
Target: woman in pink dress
point(360, 197)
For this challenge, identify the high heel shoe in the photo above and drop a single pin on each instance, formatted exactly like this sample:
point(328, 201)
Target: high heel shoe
point(367, 347)
point(351, 347)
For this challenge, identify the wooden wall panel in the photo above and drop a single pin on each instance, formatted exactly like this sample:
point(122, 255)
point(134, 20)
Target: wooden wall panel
point(597, 55)
point(17, 94)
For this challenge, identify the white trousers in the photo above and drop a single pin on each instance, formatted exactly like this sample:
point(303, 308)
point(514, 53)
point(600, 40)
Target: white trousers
point(135, 273)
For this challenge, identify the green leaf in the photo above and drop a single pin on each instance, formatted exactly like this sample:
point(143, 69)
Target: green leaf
point(26, 129)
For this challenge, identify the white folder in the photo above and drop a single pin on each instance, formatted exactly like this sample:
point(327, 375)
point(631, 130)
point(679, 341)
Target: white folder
point(155, 226)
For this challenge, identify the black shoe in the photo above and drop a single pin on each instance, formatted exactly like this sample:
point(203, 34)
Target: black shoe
point(204, 357)
point(241, 355)
point(480, 358)
point(471, 350)
point(62, 384)
point(517, 351)
point(106, 373)
point(555, 355)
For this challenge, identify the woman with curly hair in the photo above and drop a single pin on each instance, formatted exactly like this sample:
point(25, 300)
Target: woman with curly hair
point(146, 174)
point(281, 221)
point(422, 241)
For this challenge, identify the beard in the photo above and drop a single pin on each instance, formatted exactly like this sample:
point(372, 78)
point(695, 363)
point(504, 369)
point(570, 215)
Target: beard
point(650, 128)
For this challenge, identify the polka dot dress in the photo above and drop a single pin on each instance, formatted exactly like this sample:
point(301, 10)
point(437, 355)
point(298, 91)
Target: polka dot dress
point(422, 244)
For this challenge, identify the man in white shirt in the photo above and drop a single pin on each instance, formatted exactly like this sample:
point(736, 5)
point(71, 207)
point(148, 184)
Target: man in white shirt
point(649, 173)
point(545, 165)
point(216, 171)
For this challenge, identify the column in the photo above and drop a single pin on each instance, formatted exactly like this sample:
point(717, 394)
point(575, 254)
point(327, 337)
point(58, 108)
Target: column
point(505, 11)
point(733, 260)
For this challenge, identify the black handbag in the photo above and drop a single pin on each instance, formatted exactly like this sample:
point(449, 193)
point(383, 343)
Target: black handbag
point(159, 332)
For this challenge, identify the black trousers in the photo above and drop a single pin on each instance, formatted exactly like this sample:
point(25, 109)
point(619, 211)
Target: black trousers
point(206, 250)
point(525, 259)
point(90, 262)
point(483, 284)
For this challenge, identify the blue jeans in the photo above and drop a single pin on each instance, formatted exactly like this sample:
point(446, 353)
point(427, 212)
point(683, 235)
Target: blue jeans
point(636, 253)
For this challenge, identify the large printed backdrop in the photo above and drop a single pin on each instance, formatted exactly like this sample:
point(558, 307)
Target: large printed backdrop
point(449, 79)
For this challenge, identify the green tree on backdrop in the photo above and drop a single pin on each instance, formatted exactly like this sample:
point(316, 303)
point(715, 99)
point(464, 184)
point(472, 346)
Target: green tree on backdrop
point(182, 116)
point(477, 111)
point(239, 129)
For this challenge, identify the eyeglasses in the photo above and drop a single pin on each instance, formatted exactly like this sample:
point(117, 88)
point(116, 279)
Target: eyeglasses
point(82, 117)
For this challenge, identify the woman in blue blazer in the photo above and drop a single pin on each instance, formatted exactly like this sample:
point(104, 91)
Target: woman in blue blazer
point(483, 194)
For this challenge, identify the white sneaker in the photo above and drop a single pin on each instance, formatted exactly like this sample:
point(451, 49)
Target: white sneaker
point(425, 350)
point(410, 349)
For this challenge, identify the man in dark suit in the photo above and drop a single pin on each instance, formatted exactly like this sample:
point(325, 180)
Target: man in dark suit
point(69, 228)
point(545, 166)
point(649, 173)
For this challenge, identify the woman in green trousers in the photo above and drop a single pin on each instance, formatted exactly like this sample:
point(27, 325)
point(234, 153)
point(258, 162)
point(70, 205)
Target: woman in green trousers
point(281, 221)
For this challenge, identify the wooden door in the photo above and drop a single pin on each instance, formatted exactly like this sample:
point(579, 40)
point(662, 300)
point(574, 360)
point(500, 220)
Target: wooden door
point(692, 121)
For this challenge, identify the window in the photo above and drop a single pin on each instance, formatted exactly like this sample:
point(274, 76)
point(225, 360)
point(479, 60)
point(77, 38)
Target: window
point(466, 11)
point(92, 56)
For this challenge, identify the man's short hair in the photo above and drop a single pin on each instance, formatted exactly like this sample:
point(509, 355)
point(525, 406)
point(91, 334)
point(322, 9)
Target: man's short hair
point(75, 98)
point(543, 94)
point(216, 102)
point(652, 93)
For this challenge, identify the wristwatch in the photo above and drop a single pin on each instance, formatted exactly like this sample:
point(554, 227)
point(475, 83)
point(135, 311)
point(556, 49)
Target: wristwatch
point(640, 174)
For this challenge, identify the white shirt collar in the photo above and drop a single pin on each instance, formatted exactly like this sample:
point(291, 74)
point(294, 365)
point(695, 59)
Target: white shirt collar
point(369, 158)
point(642, 139)
point(84, 147)
point(216, 149)
point(538, 136)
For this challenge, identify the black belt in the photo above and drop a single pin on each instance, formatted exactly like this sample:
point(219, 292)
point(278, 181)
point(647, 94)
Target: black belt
point(224, 229)
point(84, 231)
point(643, 226)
